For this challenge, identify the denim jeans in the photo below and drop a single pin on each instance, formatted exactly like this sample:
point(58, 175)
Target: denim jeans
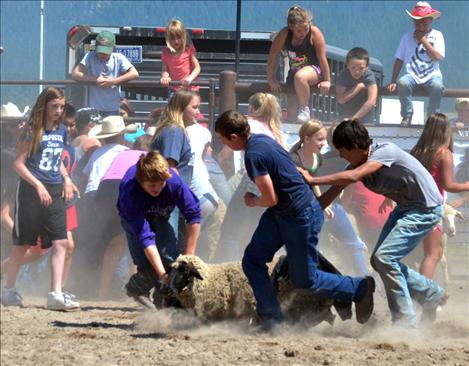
point(434, 88)
point(299, 234)
point(342, 229)
point(165, 242)
point(402, 232)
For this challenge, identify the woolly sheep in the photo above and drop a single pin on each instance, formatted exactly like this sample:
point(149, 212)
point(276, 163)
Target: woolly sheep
point(217, 292)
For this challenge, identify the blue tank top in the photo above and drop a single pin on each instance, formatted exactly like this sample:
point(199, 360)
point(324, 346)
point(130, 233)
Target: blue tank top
point(45, 163)
point(302, 55)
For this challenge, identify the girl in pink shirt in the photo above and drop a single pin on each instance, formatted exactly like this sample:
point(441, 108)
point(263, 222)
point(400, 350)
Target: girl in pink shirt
point(179, 59)
point(434, 150)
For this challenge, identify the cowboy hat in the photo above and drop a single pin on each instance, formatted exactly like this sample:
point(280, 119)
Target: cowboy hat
point(423, 10)
point(111, 126)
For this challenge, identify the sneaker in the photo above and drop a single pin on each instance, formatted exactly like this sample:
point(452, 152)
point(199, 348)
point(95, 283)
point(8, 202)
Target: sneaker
point(303, 114)
point(61, 301)
point(69, 294)
point(429, 312)
point(11, 297)
point(364, 307)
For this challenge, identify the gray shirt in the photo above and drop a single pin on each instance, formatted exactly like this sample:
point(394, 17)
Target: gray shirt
point(348, 109)
point(402, 179)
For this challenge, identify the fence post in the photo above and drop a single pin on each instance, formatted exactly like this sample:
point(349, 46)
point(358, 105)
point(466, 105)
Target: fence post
point(227, 91)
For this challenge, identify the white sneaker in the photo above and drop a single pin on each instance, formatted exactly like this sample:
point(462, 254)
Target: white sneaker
point(303, 114)
point(61, 301)
point(11, 297)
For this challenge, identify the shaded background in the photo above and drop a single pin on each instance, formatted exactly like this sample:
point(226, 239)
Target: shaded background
point(374, 25)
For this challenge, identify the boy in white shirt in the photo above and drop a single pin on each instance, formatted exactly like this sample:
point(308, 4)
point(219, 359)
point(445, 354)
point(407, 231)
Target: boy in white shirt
point(420, 51)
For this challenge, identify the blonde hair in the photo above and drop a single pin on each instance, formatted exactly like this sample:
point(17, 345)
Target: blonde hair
point(436, 134)
point(173, 113)
point(265, 108)
point(175, 29)
point(37, 121)
point(309, 128)
point(297, 15)
point(152, 167)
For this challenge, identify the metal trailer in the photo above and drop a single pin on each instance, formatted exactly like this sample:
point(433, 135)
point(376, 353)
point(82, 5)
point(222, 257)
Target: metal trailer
point(216, 53)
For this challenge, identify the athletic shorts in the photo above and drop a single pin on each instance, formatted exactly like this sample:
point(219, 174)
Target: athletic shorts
point(291, 75)
point(32, 219)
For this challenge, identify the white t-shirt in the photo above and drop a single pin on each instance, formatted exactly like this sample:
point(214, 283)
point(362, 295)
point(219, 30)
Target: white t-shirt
point(199, 137)
point(99, 162)
point(416, 59)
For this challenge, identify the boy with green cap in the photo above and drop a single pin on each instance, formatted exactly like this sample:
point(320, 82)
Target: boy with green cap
point(108, 69)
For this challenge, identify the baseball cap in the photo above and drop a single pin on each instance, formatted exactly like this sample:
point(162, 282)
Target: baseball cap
point(105, 42)
point(87, 115)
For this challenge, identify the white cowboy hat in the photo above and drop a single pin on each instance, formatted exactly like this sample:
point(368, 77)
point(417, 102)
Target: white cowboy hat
point(111, 126)
point(150, 131)
point(423, 10)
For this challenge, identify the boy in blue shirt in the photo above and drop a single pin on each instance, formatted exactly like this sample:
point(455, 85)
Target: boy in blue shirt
point(108, 69)
point(293, 218)
point(148, 193)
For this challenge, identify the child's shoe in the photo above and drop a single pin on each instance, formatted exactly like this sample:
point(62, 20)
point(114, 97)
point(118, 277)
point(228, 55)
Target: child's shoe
point(303, 114)
point(11, 297)
point(61, 301)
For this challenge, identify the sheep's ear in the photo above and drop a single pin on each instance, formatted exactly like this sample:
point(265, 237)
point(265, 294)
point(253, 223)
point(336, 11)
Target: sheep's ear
point(194, 272)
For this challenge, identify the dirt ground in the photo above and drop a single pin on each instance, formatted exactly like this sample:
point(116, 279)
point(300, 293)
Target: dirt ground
point(120, 333)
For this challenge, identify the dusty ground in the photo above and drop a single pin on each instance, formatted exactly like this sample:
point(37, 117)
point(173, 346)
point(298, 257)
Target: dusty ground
point(115, 333)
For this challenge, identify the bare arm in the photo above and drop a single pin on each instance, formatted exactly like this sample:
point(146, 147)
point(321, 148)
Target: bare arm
point(165, 78)
point(20, 167)
point(192, 235)
point(275, 48)
point(347, 176)
point(320, 46)
point(343, 95)
point(432, 52)
point(396, 69)
point(154, 258)
point(370, 102)
point(79, 74)
point(268, 196)
point(196, 68)
point(447, 177)
point(330, 195)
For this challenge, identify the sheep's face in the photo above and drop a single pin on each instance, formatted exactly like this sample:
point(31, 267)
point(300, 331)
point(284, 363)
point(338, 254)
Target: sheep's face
point(182, 274)
point(449, 219)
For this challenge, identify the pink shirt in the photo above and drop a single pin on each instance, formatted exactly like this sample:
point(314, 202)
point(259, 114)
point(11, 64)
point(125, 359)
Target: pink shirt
point(179, 66)
point(121, 163)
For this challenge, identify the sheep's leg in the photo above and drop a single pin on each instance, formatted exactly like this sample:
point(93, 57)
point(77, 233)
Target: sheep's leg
point(444, 261)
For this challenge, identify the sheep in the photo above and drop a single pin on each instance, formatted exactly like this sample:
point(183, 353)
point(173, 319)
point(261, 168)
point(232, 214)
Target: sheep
point(448, 222)
point(217, 292)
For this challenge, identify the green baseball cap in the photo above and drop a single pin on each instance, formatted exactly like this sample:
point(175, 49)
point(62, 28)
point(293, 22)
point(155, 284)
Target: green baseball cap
point(105, 42)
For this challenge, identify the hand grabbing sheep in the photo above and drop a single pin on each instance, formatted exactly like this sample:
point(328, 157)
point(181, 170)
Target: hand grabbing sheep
point(217, 292)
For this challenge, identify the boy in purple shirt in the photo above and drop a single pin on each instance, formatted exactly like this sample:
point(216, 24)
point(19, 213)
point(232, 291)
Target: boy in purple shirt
point(148, 193)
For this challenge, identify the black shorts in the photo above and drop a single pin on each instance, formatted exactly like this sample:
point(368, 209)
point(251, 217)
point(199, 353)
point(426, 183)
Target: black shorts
point(32, 219)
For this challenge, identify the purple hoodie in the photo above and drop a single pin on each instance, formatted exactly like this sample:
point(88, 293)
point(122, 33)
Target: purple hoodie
point(134, 204)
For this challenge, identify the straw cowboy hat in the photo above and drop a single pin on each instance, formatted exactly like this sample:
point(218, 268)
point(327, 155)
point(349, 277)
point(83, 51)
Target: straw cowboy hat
point(423, 10)
point(111, 126)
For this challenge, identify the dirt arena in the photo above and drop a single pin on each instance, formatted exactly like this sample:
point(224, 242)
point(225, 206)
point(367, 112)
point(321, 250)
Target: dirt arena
point(120, 333)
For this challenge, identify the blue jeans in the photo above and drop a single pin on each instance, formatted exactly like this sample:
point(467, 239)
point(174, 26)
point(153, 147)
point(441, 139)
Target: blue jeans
point(166, 242)
point(299, 234)
point(434, 88)
point(401, 233)
point(342, 229)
